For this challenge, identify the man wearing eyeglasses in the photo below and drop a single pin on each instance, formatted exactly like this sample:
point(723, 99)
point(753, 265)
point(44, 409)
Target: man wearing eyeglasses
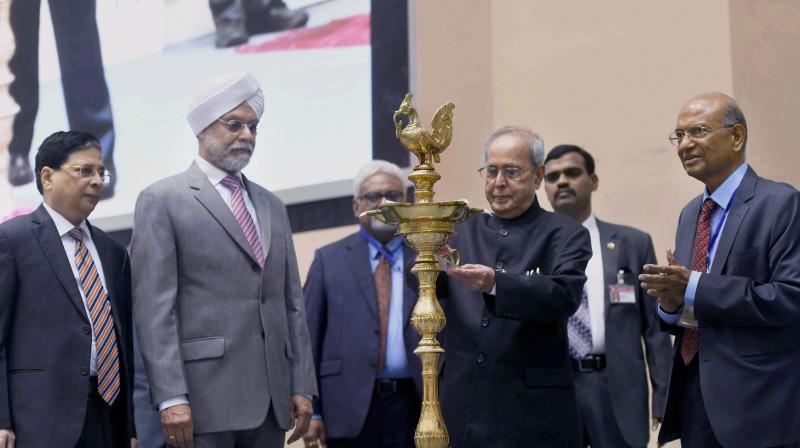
point(731, 292)
point(507, 378)
point(66, 367)
point(359, 306)
point(217, 299)
point(607, 332)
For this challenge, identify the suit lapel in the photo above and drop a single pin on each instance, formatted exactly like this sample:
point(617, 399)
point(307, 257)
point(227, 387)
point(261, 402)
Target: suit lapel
point(49, 240)
point(687, 227)
point(609, 248)
point(261, 204)
point(209, 198)
point(357, 258)
point(409, 295)
point(736, 214)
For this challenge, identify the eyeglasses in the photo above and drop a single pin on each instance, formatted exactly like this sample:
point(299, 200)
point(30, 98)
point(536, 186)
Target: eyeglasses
point(694, 133)
point(235, 126)
point(375, 197)
point(510, 172)
point(89, 171)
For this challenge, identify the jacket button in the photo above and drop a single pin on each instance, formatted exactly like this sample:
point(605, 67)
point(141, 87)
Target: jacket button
point(481, 358)
point(263, 299)
point(256, 267)
point(87, 330)
point(84, 371)
point(504, 232)
point(485, 322)
point(499, 265)
point(262, 334)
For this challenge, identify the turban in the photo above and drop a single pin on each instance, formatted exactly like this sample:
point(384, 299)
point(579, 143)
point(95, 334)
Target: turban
point(220, 95)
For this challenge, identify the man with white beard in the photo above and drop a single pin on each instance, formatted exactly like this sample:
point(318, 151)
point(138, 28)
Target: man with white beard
point(358, 306)
point(217, 299)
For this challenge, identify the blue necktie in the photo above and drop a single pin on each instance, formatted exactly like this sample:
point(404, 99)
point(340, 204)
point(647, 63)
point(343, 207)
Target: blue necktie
point(579, 330)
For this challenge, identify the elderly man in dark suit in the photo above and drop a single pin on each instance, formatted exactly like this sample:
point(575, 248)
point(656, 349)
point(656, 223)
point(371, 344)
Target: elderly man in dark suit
point(606, 333)
point(358, 306)
point(66, 366)
point(507, 379)
point(218, 305)
point(731, 292)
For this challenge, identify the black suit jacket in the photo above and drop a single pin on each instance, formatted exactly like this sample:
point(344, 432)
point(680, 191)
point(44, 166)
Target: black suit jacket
point(748, 309)
point(507, 377)
point(45, 334)
point(627, 249)
point(342, 313)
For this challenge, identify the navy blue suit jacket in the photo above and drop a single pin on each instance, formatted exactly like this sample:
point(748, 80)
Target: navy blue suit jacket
point(342, 312)
point(45, 335)
point(748, 309)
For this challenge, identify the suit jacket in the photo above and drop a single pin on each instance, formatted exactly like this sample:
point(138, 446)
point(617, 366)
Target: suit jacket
point(211, 323)
point(625, 327)
point(345, 332)
point(46, 336)
point(748, 309)
point(507, 377)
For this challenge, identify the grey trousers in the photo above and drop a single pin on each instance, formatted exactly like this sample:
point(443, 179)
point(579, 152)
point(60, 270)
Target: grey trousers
point(268, 435)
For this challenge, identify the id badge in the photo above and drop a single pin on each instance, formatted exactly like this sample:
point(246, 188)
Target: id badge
point(622, 293)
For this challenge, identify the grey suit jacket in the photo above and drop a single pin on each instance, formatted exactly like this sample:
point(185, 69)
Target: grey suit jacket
point(211, 323)
point(626, 326)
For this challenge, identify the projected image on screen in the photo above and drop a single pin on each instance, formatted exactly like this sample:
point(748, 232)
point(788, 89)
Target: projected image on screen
point(131, 81)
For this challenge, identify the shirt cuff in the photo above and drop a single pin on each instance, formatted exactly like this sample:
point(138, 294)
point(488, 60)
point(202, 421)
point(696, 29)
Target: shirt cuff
point(493, 292)
point(670, 318)
point(180, 399)
point(316, 417)
point(691, 288)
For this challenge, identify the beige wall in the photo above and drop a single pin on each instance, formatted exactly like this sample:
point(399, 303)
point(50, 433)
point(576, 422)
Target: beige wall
point(611, 77)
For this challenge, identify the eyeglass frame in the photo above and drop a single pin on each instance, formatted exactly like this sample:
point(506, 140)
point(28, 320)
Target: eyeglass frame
point(484, 172)
point(239, 125)
point(676, 140)
point(380, 195)
point(82, 172)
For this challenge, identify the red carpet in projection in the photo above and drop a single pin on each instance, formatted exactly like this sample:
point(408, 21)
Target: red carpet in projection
point(347, 32)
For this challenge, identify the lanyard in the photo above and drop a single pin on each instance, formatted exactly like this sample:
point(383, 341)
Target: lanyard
point(378, 246)
point(717, 232)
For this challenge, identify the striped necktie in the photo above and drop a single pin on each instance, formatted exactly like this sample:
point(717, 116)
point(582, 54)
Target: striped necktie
point(108, 379)
point(243, 217)
point(579, 329)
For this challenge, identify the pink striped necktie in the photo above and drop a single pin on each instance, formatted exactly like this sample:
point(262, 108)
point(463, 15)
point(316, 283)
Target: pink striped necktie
point(243, 216)
point(108, 379)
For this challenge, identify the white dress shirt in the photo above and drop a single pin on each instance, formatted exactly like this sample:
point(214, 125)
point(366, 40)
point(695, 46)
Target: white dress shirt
point(595, 289)
point(64, 226)
point(215, 176)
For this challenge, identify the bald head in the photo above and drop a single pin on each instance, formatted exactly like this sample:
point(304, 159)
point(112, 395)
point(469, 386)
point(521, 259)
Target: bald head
point(713, 134)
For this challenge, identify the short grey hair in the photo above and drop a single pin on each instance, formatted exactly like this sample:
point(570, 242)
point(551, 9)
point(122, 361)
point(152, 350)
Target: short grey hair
point(733, 115)
point(532, 140)
point(375, 167)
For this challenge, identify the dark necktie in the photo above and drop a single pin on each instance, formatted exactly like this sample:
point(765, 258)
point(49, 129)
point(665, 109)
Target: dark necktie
point(383, 288)
point(691, 338)
point(108, 381)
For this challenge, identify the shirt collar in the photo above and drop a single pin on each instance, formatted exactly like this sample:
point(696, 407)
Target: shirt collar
point(391, 247)
point(590, 223)
point(722, 195)
point(214, 174)
point(63, 226)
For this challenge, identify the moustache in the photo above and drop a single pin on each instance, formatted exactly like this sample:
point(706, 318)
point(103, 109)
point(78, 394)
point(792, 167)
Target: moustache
point(241, 147)
point(565, 190)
